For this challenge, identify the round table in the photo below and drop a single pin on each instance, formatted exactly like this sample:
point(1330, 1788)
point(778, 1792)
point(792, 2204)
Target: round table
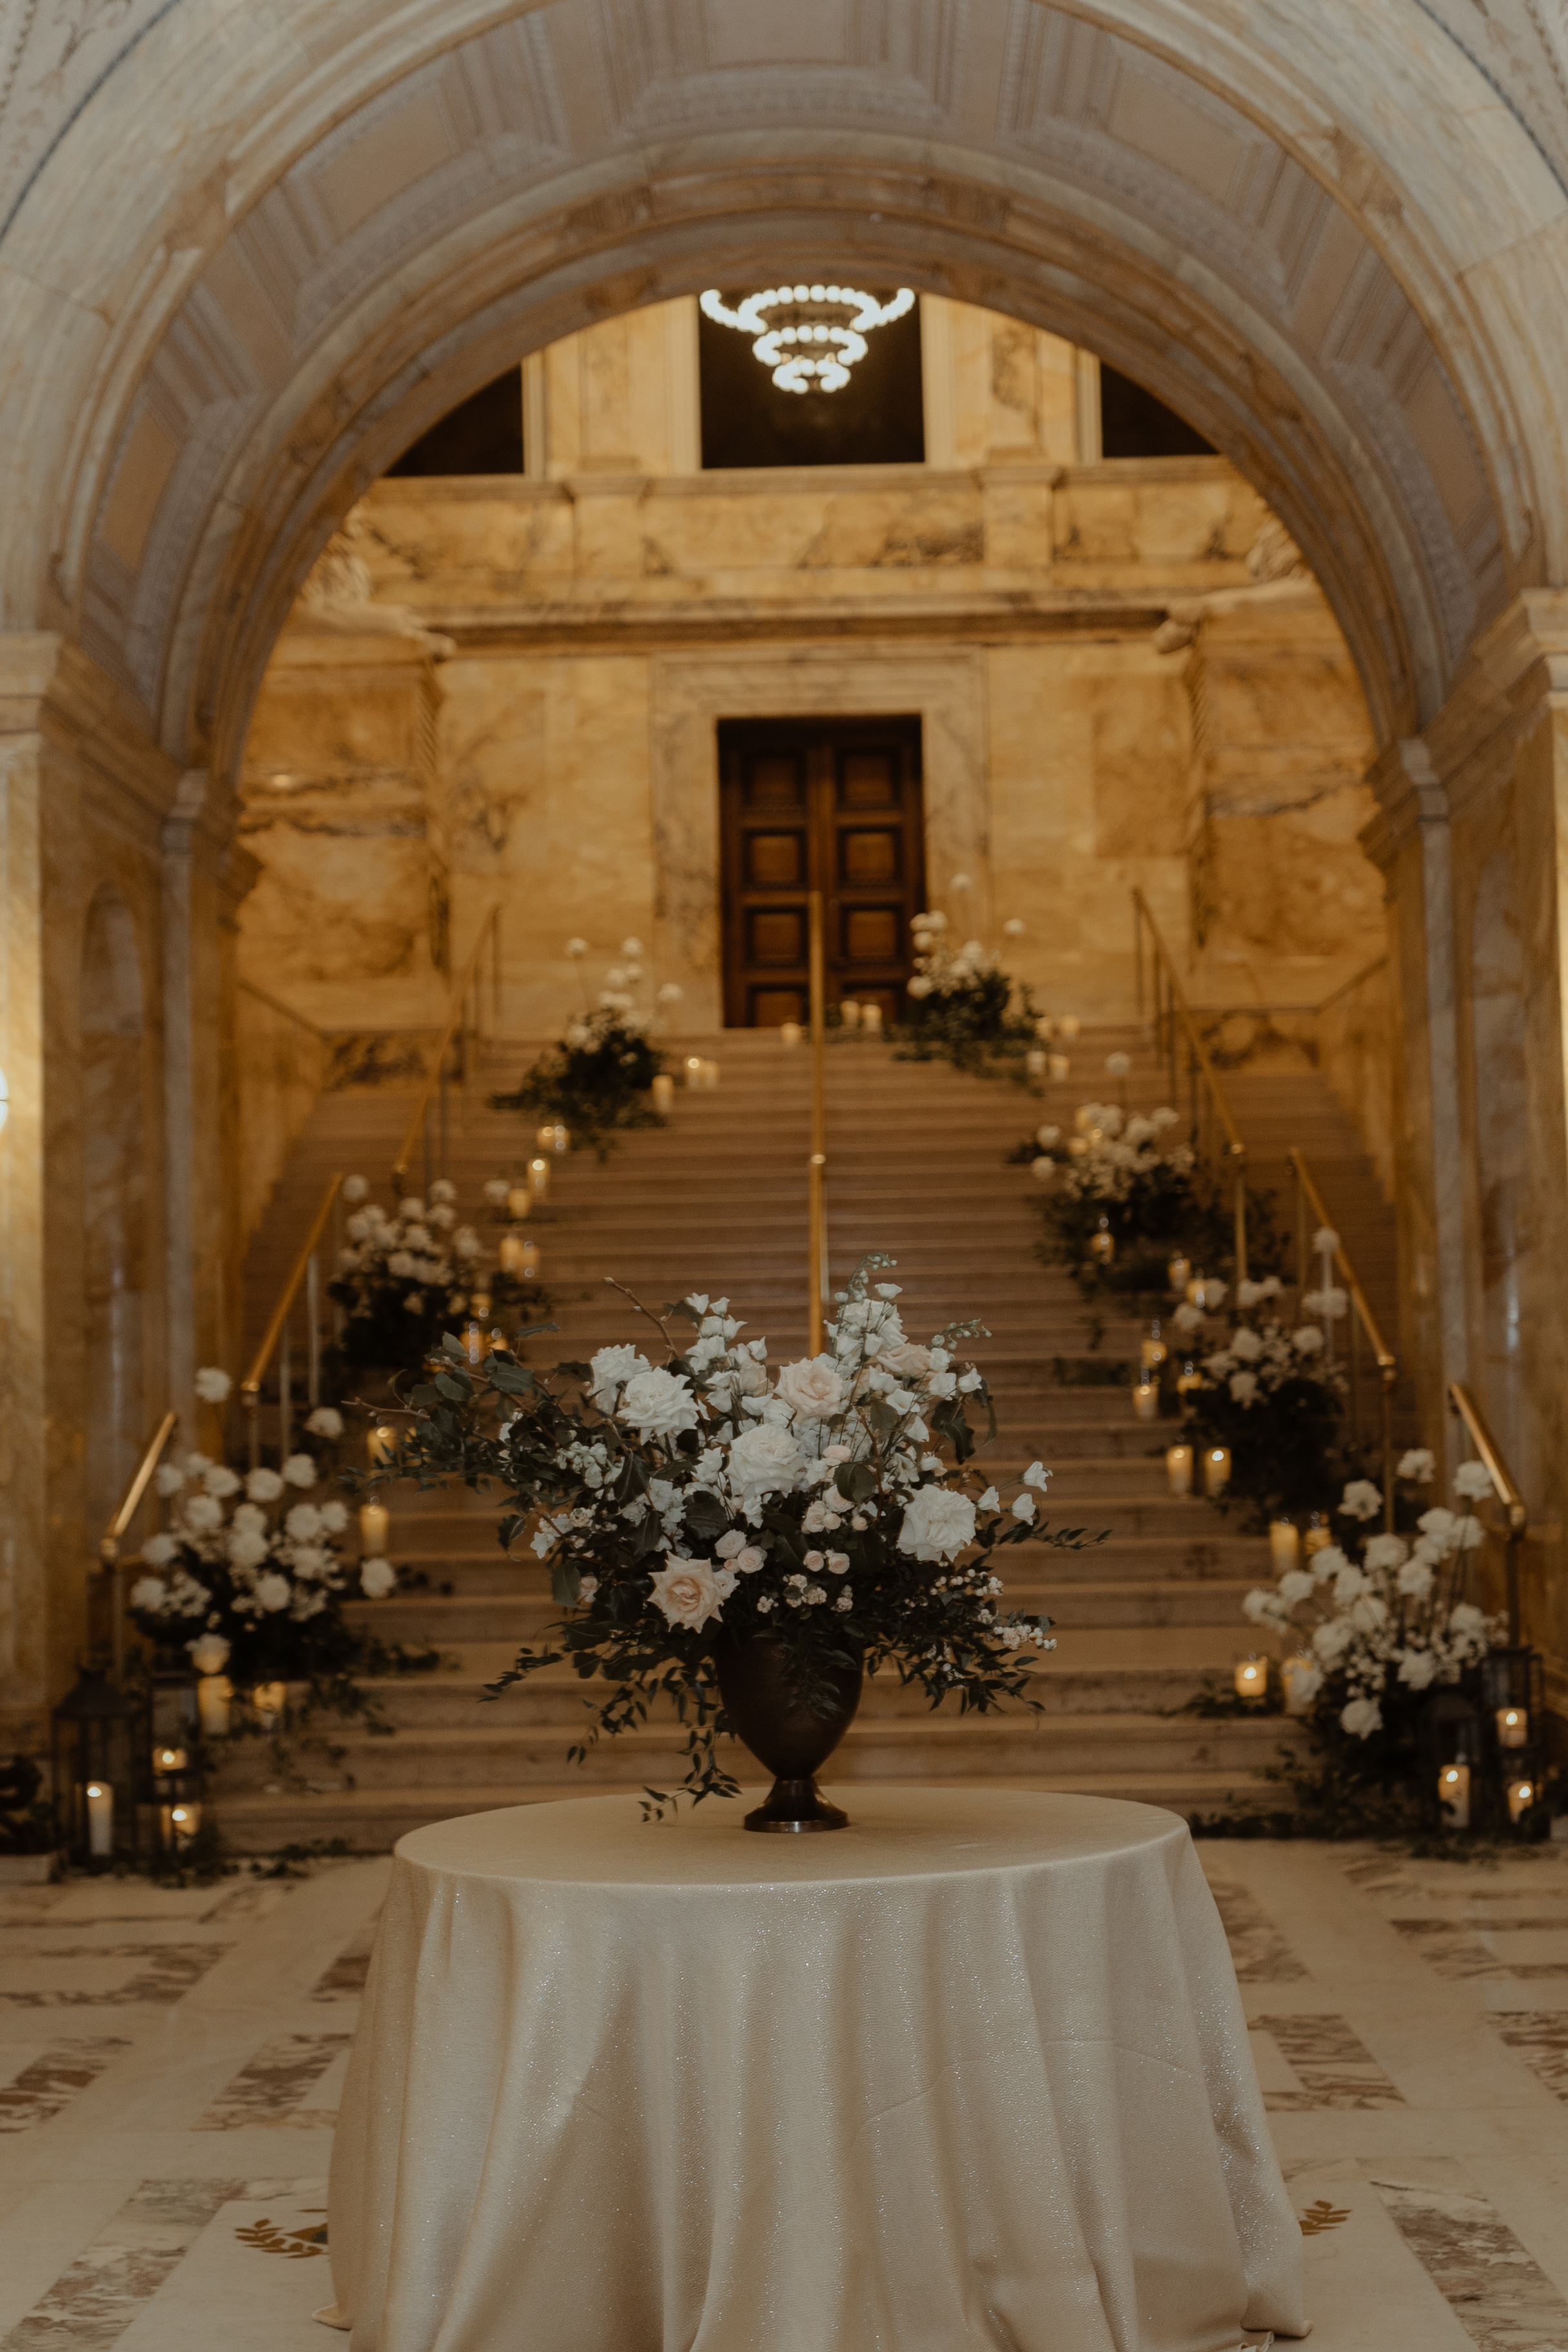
point(972, 2071)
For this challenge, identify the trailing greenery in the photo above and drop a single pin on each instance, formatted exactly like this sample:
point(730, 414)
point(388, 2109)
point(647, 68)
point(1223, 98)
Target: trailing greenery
point(594, 1082)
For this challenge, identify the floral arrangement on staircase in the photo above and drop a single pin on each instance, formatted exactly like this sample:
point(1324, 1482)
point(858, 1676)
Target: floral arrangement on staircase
point(407, 1276)
point(700, 1507)
point(597, 1078)
point(248, 1577)
point(1384, 1620)
point(1271, 1394)
point(1117, 1196)
point(962, 1007)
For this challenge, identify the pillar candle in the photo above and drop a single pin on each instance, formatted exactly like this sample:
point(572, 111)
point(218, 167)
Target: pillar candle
point(1068, 1026)
point(1454, 1795)
point(169, 1760)
point(789, 1033)
point(553, 1137)
point(375, 1527)
point(513, 1247)
point(1520, 1797)
point(1060, 1065)
point(1513, 1728)
point(1037, 1061)
point(709, 1073)
point(664, 1094)
point(849, 1013)
point(99, 1799)
point(214, 1693)
point(178, 1824)
point(1179, 1468)
point(539, 1178)
point(1284, 1545)
point(694, 1069)
point(270, 1699)
point(1252, 1677)
point(520, 1200)
point(1216, 1469)
point(530, 1261)
point(871, 1019)
point(1146, 1401)
point(380, 1445)
point(1319, 1535)
point(1188, 1378)
point(1300, 1677)
point(1152, 1351)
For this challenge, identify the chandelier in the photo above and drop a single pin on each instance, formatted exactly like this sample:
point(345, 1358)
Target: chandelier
point(811, 336)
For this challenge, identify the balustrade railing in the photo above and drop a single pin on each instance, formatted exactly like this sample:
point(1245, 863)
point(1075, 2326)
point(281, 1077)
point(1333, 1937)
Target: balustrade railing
point(1213, 1131)
point(111, 1543)
point(816, 1165)
point(428, 1133)
point(297, 1330)
point(1516, 1516)
point(1365, 1333)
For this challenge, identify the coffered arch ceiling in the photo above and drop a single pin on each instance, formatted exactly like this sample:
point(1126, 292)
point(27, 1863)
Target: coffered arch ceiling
point(373, 211)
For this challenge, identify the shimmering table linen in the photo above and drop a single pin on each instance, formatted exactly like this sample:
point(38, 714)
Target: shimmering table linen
point(973, 2072)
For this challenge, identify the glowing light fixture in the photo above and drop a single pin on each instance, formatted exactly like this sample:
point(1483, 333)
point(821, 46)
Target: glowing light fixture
point(810, 336)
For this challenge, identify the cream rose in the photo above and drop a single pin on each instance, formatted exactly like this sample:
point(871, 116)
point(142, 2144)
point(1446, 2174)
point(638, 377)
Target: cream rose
point(812, 1388)
point(766, 1460)
point(908, 1359)
point(937, 1524)
point(688, 1592)
point(658, 1403)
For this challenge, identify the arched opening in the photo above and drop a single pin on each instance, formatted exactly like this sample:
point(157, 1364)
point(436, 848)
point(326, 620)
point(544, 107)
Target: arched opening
point(114, 1222)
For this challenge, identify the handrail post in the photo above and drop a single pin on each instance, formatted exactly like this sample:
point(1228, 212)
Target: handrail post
point(313, 1330)
point(1241, 1216)
point(285, 1393)
point(1387, 1377)
point(816, 1166)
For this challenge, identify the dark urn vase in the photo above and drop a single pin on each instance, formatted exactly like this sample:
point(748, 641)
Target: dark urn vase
point(783, 1734)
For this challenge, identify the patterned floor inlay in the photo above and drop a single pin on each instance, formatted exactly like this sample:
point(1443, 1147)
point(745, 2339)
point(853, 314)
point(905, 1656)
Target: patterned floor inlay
point(170, 1971)
point(1464, 1948)
point(1332, 2068)
point(345, 1978)
point(1259, 1951)
point(94, 2301)
point(270, 2090)
point(51, 2080)
point(1540, 2038)
point(1497, 2291)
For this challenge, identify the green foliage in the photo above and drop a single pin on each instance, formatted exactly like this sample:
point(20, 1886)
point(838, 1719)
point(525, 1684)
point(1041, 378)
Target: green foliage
point(595, 1081)
point(984, 1024)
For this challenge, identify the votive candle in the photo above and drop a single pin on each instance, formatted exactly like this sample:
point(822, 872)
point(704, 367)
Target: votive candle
point(790, 1034)
point(871, 1019)
point(375, 1527)
point(693, 1069)
point(1520, 1797)
point(1037, 1061)
point(539, 1178)
point(214, 1693)
point(1319, 1535)
point(514, 1249)
point(1102, 1245)
point(1146, 1401)
point(1154, 1352)
point(1454, 1795)
point(380, 1445)
point(169, 1760)
point(1284, 1545)
point(553, 1137)
point(1179, 1468)
point(664, 1094)
point(850, 1012)
point(1252, 1677)
point(178, 1824)
point(518, 1202)
point(99, 1799)
point(1216, 1469)
point(1513, 1728)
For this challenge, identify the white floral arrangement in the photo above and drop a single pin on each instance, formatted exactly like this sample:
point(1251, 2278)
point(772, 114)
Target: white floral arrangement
point(707, 1499)
point(1392, 1623)
point(405, 1276)
point(597, 1077)
point(248, 1574)
point(1110, 1155)
point(960, 1001)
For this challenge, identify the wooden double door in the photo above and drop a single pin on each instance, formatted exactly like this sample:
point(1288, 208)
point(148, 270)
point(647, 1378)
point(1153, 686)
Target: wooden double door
point(818, 805)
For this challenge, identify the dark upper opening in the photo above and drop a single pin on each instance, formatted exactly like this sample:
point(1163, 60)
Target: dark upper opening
point(1134, 424)
point(483, 435)
point(877, 419)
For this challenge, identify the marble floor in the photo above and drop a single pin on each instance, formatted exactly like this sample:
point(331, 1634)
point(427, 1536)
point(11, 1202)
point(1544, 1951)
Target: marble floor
point(170, 2063)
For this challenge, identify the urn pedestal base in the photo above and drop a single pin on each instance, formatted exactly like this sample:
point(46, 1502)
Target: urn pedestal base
point(795, 1806)
point(791, 1738)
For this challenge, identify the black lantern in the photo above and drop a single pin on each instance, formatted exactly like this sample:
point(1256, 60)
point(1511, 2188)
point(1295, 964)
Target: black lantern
point(101, 1738)
point(1451, 1792)
point(1513, 1738)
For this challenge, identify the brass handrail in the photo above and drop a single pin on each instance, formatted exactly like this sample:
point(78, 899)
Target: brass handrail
point(458, 1024)
point(816, 1165)
point(114, 1533)
point(306, 1272)
point(1503, 1487)
point(1199, 1063)
point(1383, 1354)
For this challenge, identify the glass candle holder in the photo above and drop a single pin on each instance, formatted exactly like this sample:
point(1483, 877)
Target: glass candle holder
point(1252, 1677)
point(539, 1179)
point(379, 1444)
point(1520, 1797)
point(374, 1528)
point(1513, 1726)
point(850, 1012)
point(1146, 1401)
point(871, 1019)
point(170, 1760)
point(178, 1825)
point(1102, 1245)
point(1179, 1468)
point(1178, 1273)
point(1189, 1378)
point(1037, 1061)
point(518, 1202)
point(512, 1253)
point(1454, 1795)
point(1216, 1469)
point(664, 1094)
point(1319, 1535)
point(1284, 1546)
point(1154, 1352)
point(692, 1069)
point(791, 1035)
point(98, 1803)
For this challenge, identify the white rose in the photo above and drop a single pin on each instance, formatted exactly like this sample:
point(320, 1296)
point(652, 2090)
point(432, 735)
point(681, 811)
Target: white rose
point(609, 1370)
point(1383, 1552)
point(1331, 1641)
point(264, 1485)
point(326, 1422)
point(1246, 1345)
point(213, 1385)
point(148, 1592)
point(1361, 1717)
point(1416, 1668)
point(354, 1187)
point(377, 1578)
point(247, 1548)
point(812, 1388)
point(1244, 1387)
point(1307, 1340)
point(310, 1561)
point(766, 1460)
point(303, 1522)
point(1360, 1500)
point(220, 1480)
point(937, 1524)
point(299, 1470)
point(159, 1550)
point(1418, 1466)
point(1473, 1480)
point(1296, 1584)
point(1415, 1580)
point(335, 1518)
point(209, 1653)
point(204, 1513)
point(658, 1403)
point(687, 1594)
point(273, 1593)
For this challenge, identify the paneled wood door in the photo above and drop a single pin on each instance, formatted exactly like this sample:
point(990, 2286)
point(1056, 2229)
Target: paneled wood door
point(818, 805)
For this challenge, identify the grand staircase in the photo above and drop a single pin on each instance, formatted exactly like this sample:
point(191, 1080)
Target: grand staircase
point(716, 1202)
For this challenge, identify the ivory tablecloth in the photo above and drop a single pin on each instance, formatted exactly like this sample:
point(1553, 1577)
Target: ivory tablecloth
point(973, 2072)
